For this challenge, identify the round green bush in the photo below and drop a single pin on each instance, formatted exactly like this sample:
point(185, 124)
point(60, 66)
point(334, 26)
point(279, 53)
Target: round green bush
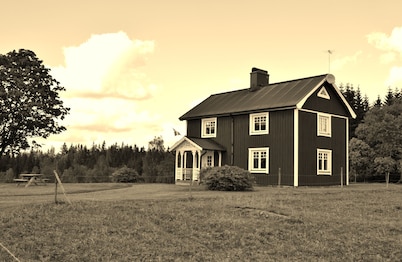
point(126, 175)
point(227, 178)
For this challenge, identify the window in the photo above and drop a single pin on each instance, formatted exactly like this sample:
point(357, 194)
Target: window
point(323, 125)
point(258, 160)
point(324, 161)
point(259, 123)
point(208, 126)
point(323, 93)
point(209, 160)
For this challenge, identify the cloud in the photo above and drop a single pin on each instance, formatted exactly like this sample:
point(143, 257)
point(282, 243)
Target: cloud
point(387, 43)
point(107, 65)
point(339, 63)
point(391, 45)
point(110, 96)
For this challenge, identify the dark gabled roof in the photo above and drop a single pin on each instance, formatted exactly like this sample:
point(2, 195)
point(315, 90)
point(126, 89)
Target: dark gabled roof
point(201, 143)
point(289, 94)
point(207, 144)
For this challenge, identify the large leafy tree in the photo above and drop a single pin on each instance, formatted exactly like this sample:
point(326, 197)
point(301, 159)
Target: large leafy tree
point(30, 105)
point(381, 130)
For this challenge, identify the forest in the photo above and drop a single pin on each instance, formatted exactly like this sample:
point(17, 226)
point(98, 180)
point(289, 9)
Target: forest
point(80, 164)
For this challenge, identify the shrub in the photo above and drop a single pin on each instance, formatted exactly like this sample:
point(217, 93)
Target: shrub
point(227, 178)
point(126, 175)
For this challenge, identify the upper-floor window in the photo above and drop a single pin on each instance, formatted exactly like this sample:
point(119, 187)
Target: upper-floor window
point(259, 123)
point(208, 127)
point(324, 161)
point(258, 160)
point(323, 125)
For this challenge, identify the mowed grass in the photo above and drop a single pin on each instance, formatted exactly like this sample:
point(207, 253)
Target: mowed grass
point(355, 223)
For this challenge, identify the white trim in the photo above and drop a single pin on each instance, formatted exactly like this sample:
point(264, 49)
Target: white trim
point(296, 147)
point(323, 93)
point(319, 112)
point(347, 151)
point(304, 99)
point(328, 125)
point(251, 160)
point(177, 144)
point(327, 171)
point(252, 130)
point(331, 80)
point(204, 121)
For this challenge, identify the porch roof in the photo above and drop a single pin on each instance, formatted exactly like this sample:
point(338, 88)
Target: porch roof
point(200, 143)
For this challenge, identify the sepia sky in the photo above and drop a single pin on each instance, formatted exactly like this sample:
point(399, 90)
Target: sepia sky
point(132, 68)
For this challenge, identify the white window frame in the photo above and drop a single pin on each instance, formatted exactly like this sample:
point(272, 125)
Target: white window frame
point(209, 161)
point(327, 126)
point(259, 151)
point(256, 116)
point(323, 93)
point(205, 123)
point(322, 156)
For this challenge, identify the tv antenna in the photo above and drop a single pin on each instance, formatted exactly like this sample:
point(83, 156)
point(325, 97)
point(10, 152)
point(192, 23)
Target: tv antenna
point(329, 59)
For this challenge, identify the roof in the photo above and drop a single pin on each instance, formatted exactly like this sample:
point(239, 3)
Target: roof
point(200, 143)
point(289, 94)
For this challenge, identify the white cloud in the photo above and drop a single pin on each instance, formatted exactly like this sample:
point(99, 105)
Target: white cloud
point(106, 66)
point(339, 63)
point(392, 46)
point(109, 95)
point(387, 43)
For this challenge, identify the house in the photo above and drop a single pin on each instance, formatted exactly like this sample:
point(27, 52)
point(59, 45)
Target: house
point(294, 132)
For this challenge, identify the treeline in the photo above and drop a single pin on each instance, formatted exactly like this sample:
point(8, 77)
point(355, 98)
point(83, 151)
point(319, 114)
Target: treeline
point(78, 163)
point(375, 148)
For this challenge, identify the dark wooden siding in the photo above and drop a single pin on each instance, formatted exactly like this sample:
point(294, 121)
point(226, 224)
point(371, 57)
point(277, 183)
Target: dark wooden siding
point(194, 128)
point(334, 105)
point(280, 143)
point(308, 144)
point(279, 140)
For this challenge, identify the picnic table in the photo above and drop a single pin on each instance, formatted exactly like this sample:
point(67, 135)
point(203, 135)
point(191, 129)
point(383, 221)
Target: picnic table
point(36, 179)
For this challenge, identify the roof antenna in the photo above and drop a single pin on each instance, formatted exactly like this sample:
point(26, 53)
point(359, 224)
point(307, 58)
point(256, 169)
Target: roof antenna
point(329, 59)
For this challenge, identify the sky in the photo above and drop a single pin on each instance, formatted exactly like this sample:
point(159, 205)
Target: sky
point(131, 68)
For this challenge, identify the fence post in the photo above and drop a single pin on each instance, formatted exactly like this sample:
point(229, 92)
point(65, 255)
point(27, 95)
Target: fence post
point(55, 190)
point(341, 177)
point(279, 177)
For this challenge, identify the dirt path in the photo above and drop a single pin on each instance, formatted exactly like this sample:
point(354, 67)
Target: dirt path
point(12, 195)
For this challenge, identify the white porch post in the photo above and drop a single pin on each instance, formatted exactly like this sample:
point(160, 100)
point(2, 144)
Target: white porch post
point(193, 174)
point(220, 158)
point(176, 166)
point(183, 167)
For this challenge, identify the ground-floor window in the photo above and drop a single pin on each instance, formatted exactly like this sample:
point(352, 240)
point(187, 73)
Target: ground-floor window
point(324, 161)
point(209, 160)
point(258, 160)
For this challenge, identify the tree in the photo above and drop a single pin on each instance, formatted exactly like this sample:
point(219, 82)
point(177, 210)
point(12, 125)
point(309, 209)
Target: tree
point(29, 101)
point(381, 131)
point(361, 158)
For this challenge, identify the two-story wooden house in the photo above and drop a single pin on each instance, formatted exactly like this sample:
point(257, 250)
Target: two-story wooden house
point(295, 132)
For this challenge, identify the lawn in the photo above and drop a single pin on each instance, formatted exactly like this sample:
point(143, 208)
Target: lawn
point(170, 223)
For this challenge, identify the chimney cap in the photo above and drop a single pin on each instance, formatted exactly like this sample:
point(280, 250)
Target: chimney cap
point(255, 69)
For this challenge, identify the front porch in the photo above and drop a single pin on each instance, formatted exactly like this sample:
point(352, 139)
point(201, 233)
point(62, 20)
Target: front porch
point(192, 155)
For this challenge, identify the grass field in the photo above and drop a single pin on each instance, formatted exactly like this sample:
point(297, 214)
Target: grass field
point(113, 222)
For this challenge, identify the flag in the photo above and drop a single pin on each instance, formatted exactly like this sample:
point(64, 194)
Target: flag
point(176, 133)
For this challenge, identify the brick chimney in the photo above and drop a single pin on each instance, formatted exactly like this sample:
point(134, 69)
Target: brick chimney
point(258, 79)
